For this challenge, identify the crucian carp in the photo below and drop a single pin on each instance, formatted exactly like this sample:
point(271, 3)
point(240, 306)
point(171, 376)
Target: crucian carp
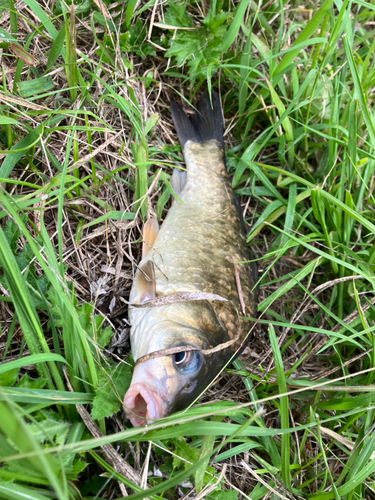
point(194, 282)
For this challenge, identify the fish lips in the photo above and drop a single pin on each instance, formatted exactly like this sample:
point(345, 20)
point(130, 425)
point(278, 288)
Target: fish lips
point(143, 403)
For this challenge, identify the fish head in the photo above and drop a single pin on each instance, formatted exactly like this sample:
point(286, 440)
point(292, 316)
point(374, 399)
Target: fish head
point(168, 383)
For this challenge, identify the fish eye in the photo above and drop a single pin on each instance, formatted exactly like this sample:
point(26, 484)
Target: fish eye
point(188, 361)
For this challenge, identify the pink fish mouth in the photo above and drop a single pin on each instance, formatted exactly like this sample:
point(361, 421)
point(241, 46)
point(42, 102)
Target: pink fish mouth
point(143, 405)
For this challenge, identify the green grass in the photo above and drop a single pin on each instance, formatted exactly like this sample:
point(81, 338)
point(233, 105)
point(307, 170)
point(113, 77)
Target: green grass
point(86, 150)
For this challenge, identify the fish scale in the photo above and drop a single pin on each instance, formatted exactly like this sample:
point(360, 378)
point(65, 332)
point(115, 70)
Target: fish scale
point(201, 236)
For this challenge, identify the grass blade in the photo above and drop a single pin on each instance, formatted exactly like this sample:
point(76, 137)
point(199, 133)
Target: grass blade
point(284, 409)
point(31, 360)
point(235, 25)
point(306, 33)
point(71, 69)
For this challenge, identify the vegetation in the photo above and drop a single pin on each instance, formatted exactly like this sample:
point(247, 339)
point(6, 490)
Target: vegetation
point(87, 145)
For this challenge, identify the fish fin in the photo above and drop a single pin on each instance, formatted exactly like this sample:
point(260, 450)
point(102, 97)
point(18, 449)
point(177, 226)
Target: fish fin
point(209, 119)
point(206, 125)
point(185, 128)
point(150, 232)
point(145, 283)
point(178, 180)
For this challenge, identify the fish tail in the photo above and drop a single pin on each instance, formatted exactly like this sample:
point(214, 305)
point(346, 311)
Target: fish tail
point(207, 123)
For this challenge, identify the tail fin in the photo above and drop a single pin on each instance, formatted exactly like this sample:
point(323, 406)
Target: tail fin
point(207, 123)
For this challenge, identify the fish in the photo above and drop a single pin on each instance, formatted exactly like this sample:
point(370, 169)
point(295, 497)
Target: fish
point(196, 281)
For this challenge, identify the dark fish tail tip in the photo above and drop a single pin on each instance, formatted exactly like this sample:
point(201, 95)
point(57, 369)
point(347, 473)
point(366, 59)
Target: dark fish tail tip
point(207, 123)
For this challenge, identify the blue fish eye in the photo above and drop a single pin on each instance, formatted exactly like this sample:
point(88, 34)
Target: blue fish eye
point(188, 361)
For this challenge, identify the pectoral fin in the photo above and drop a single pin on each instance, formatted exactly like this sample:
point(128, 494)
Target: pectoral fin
point(150, 232)
point(178, 180)
point(145, 283)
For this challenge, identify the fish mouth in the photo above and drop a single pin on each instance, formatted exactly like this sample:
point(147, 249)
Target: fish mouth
point(143, 405)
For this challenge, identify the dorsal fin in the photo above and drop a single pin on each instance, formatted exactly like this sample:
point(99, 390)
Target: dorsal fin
point(145, 283)
point(150, 232)
point(207, 123)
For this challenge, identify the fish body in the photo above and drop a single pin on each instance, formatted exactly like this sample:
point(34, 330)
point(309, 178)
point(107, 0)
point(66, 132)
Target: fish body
point(195, 251)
